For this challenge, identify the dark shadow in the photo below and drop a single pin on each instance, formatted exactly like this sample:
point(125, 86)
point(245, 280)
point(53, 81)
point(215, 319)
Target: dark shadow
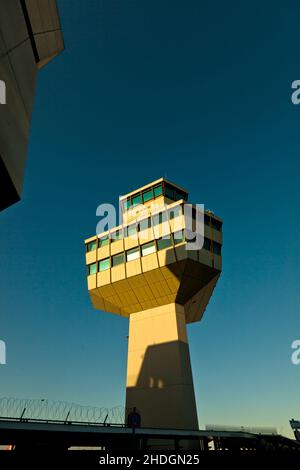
point(164, 392)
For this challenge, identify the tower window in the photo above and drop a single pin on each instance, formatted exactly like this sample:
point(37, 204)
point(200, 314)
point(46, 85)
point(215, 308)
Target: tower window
point(103, 241)
point(158, 190)
point(169, 192)
point(118, 259)
point(137, 200)
point(148, 248)
point(92, 268)
point(104, 264)
point(148, 195)
point(180, 195)
point(91, 246)
point(163, 243)
point(132, 254)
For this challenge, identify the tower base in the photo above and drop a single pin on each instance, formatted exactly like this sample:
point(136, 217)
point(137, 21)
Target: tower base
point(159, 376)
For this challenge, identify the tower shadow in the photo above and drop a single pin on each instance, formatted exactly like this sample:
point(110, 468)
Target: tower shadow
point(164, 391)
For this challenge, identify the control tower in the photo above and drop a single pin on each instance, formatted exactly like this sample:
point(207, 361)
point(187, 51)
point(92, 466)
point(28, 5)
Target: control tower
point(146, 269)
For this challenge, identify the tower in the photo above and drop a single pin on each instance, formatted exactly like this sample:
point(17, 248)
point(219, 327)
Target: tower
point(147, 269)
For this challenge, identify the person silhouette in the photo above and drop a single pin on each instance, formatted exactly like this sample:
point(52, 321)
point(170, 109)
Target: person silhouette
point(134, 419)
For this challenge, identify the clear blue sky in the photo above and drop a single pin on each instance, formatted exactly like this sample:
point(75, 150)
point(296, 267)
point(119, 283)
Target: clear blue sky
point(197, 91)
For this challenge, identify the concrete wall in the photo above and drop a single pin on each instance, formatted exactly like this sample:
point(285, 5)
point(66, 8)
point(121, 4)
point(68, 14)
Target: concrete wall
point(159, 375)
point(19, 62)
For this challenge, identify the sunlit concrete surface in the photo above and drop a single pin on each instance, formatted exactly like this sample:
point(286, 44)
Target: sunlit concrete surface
point(30, 36)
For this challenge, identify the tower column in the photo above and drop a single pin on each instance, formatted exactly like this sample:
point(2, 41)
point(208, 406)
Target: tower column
point(159, 376)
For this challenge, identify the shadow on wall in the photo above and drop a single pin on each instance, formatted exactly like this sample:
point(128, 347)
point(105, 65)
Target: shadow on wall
point(164, 391)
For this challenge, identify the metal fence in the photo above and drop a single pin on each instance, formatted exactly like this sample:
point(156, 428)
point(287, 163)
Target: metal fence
point(49, 410)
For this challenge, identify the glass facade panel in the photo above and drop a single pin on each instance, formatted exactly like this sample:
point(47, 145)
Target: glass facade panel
point(133, 254)
point(118, 259)
point(158, 190)
point(91, 246)
point(103, 241)
point(148, 195)
point(148, 248)
point(169, 192)
point(180, 195)
point(217, 248)
point(216, 224)
point(163, 243)
point(104, 264)
point(206, 244)
point(137, 200)
point(92, 268)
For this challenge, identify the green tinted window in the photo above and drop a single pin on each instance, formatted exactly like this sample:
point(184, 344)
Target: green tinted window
point(92, 268)
point(103, 241)
point(104, 264)
point(137, 200)
point(178, 237)
point(118, 259)
point(91, 246)
point(158, 191)
point(148, 248)
point(148, 195)
point(163, 243)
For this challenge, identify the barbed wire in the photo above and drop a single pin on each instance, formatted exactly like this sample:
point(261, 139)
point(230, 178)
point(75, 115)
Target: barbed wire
point(44, 409)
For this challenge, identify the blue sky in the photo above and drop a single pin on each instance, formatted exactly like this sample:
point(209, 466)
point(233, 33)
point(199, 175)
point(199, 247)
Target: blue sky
point(198, 92)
